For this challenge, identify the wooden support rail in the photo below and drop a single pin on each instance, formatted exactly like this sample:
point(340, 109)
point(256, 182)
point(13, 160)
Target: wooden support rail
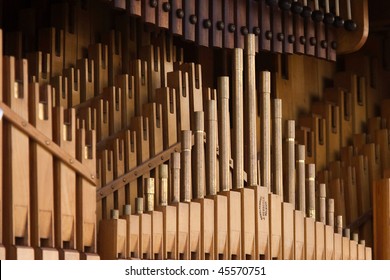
point(48, 144)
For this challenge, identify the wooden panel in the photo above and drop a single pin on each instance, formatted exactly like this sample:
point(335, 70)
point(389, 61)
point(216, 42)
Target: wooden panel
point(176, 18)
point(381, 200)
point(190, 20)
point(195, 230)
point(310, 245)
point(262, 222)
point(221, 227)
point(115, 231)
point(17, 194)
point(288, 231)
point(265, 24)
point(202, 32)
point(329, 243)
point(338, 246)
point(299, 235)
point(183, 231)
point(230, 26)
point(216, 14)
point(275, 226)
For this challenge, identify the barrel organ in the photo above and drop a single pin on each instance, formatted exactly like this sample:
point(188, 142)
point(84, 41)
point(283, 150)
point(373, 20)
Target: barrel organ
point(225, 129)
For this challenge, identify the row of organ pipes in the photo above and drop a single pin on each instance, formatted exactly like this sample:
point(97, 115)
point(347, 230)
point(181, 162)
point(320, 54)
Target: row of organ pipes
point(108, 160)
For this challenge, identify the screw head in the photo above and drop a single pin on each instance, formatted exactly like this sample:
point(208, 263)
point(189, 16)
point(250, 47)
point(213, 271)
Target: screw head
point(329, 18)
point(193, 19)
point(297, 7)
point(291, 39)
point(153, 3)
point(231, 28)
point(338, 22)
point(244, 30)
point(324, 44)
point(306, 12)
point(166, 7)
point(313, 41)
point(256, 30)
point(317, 16)
point(179, 13)
point(302, 40)
point(220, 25)
point(280, 36)
point(268, 35)
point(207, 23)
point(350, 25)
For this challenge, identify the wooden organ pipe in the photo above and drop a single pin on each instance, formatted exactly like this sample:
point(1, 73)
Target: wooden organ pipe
point(224, 134)
point(330, 211)
point(310, 181)
point(289, 162)
point(199, 156)
point(250, 112)
point(238, 120)
point(265, 104)
point(322, 216)
point(277, 142)
point(185, 166)
point(301, 178)
point(175, 177)
point(211, 148)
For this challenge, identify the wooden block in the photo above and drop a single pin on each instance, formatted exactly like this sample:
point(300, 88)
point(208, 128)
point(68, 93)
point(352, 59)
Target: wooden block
point(288, 31)
point(89, 257)
point(51, 41)
point(63, 17)
point(248, 223)
point(221, 227)
point(169, 231)
point(154, 71)
point(336, 190)
point(234, 225)
point(42, 185)
point(112, 239)
point(46, 254)
point(310, 35)
point(157, 235)
point(2, 252)
point(114, 43)
point(265, 24)
point(189, 21)
point(126, 85)
point(216, 30)
point(338, 246)
point(86, 202)
point(368, 253)
point(99, 54)
point(74, 93)
point(299, 235)
point(176, 22)
point(228, 19)
point(69, 255)
point(310, 239)
point(132, 235)
point(262, 223)
point(276, 28)
point(64, 134)
point(145, 221)
point(381, 200)
point(202, 34)
point(329, 247)
point(20, 253)
point(207, 226)
point(299, 33)
point(361, 252)
point(83, 27)
point(382, 140)
point(183, 231)
point(319, 241)
point(353, 250)
point(195, 230)
point(343, 99)
point(275, 226)
point(288, 231)
point(179, 81)
point(61, 97)
point(16, 196)
point(167, 98)
point(39, 67)
point(346, 249)
point(162, 15)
